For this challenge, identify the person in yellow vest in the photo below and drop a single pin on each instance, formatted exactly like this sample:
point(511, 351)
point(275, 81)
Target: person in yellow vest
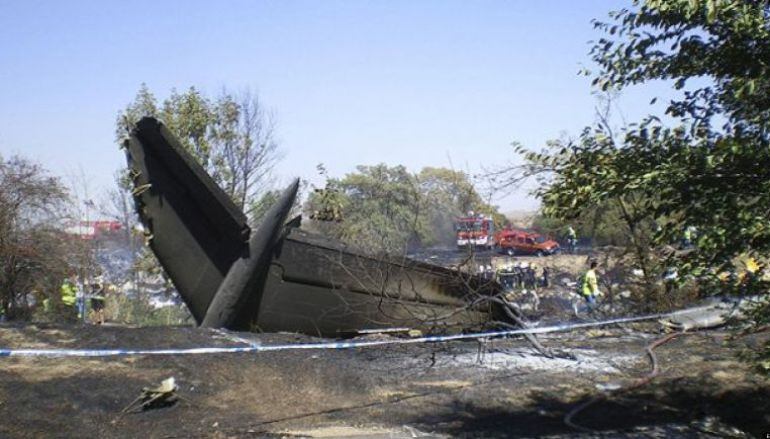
point(687, 237)
point(69, 294)
point(590, 288)
point(748, 279)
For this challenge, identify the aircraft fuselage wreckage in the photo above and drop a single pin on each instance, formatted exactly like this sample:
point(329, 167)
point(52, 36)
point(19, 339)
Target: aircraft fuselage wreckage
point(278, 277)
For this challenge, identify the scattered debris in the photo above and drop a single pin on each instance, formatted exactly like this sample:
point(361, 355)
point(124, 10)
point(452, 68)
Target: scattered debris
point(154, 397)
point(716, 313)
point(439, 389)
point(714, 426)
point(409, 332)
point(608, 387)
point(278, 277)
point(382, 331)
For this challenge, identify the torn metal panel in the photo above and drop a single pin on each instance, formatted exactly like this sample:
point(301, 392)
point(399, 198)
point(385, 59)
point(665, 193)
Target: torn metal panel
point(317, 259)
point(716, 312)
point(327, 288)
point(280, 278)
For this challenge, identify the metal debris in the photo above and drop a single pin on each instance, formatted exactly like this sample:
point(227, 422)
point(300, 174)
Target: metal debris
point(278, 277)
point(153, 397)
point(713, 314)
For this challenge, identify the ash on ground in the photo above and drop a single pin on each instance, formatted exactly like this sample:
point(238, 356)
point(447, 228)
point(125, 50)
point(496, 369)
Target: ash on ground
point(477, 388)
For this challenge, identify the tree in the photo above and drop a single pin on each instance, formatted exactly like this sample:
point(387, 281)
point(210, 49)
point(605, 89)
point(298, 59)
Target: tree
point(34, 253)
point(712, 176)
point(189, 116)
point(144, 104)
point(231, 136)
point(118, 205)
point(603, 224)
point(388, 209)
point(710, 169)
point(726, 41)
point(380, 209)
point(447, 194)
point(245, 150)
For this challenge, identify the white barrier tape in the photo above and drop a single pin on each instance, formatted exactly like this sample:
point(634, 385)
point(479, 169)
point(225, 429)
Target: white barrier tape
point(443, 338)
point(117, 352)
point(254, 347)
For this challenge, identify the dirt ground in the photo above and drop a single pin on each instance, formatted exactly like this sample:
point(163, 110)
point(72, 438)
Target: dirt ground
point(457, 389)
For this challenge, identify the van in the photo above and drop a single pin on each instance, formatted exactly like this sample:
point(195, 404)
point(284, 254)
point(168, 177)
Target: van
point(521, 242)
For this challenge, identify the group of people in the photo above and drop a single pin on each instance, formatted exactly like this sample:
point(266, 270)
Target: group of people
point(74, 296)
point(514, 276)
point(521, 275)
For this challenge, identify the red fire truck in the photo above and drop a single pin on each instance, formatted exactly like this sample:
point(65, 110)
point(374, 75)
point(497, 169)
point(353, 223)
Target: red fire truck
point(475, 231)
point(92, 229)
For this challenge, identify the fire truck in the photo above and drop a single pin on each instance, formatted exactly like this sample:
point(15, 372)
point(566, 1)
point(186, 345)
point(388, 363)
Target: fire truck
point(93, 229)
point(475, 231)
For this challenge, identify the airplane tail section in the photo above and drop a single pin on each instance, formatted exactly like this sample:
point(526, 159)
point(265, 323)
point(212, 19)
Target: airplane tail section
point(193, 227)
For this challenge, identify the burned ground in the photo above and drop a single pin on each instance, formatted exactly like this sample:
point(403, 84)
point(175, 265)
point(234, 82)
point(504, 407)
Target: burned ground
point(448, 389)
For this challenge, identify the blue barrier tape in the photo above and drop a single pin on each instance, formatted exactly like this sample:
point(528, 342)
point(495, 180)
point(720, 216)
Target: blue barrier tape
point(255, 347)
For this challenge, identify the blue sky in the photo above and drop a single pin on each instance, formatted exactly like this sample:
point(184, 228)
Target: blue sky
point(419, 83)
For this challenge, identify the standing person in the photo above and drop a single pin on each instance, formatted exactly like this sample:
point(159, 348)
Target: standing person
point(505, 276)
point(47, 305)
point(518, 275)
point(545, 281)
point(529, 277)
point(80, 301)
point(486, 273)
point(590, 288)
point(669, 279)
point(481, 271)
point(68, 295)
point(687, 237)
point(97, 301)
point(571, 239)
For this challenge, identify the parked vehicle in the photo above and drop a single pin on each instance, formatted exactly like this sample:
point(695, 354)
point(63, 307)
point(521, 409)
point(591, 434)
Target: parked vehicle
point(476, 231)
point(521, 242)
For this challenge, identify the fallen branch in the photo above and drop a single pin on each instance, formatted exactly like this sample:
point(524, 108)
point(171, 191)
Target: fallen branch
point(513, 312)
point(635, 385)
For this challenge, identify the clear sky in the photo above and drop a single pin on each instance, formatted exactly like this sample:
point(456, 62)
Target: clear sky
point(419, 83)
